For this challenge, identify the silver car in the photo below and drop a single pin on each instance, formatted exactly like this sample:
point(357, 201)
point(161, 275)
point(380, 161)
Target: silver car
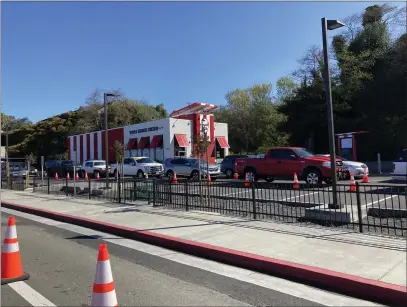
point(188, 167)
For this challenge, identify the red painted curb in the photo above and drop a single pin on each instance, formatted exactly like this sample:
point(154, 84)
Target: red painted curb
point(363, 288)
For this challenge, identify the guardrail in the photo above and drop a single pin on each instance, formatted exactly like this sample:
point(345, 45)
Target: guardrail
point(367, 208)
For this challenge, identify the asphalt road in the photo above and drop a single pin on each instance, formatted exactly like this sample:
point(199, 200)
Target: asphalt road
point(62, 261)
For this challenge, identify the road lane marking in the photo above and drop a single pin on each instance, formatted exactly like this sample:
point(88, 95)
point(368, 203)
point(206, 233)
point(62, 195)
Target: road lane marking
point(266, 281)
point(29, 294)
point(380, 200)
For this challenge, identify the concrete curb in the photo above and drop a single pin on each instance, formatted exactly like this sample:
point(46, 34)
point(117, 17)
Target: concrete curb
point(381, 292)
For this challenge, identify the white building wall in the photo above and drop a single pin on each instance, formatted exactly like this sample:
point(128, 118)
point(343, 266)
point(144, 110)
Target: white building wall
point(179, 126)
point(133, 131)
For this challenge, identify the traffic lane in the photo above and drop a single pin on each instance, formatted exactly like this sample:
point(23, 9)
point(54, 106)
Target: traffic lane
point(10, 298)
point(62, 266)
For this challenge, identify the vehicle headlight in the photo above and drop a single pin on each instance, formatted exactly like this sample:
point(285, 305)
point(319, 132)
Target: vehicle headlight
point(326, 164)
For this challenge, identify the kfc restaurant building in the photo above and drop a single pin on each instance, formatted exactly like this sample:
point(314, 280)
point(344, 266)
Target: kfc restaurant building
point(158, 139)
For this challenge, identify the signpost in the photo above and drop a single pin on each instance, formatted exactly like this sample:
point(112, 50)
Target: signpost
point(42, 170)
point(74, 174)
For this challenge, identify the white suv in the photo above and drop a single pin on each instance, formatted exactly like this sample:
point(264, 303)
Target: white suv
point(140, 166)
point(94, 167)
point(400, 166)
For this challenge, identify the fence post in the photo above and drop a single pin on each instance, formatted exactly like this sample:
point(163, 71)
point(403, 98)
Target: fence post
point(48, 184)
point(134, 190)
point(186, 195)
point(66, 187)
point(358, 203)
point(170, 192)
point(119, 190)
point(154, 191)
point(254, 200)
point(90, 187)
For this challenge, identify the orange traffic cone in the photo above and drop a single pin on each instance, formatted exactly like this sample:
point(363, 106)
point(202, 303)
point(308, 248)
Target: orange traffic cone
point(104, 293)
point(352, 187)
point(247, 181)
point(209, 179)
point(235, 176)
point(296, 184)
point(67, 176)
point(365, 176)
point(76, 176)
point(86, 176)
point(146, 176)
point(174, 178)
point(97, 176)
point(11, 264)
point(56, 176)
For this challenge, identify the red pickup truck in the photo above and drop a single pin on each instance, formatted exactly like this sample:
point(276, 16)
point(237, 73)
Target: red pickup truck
point(283, 162)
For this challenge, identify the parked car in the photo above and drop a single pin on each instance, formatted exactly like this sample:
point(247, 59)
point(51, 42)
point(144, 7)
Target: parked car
point(400, 166)
point(227, 166)
point(357, 168)
point(93, 168)
point(189, 167)
point(139, 166)
point(283, 162)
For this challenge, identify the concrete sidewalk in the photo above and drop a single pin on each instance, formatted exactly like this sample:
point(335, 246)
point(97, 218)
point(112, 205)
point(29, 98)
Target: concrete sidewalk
point(372, 257)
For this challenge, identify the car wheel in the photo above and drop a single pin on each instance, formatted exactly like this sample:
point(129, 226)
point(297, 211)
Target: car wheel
point(313, 177)
point(229, 173)
point(140, 174)
point(251, 173)
point(170, 174)
point(96, 173)
point(195, 175)
point(269, 179)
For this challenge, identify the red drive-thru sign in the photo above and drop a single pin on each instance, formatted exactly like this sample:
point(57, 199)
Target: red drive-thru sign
point(347, 144)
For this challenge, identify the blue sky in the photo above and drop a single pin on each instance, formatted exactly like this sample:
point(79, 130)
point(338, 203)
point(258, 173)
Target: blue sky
point(55, 54)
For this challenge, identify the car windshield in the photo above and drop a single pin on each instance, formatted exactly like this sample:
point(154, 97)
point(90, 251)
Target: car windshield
point(144, 160)
point(99, 163)
point(303, 153)
point(67, 163)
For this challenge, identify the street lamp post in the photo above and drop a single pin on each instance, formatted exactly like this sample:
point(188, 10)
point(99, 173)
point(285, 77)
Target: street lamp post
point(204, 129)
point(330, 25)
point(105, 96)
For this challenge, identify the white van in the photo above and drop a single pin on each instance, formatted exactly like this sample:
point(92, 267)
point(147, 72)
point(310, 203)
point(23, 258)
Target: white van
point(400, 166)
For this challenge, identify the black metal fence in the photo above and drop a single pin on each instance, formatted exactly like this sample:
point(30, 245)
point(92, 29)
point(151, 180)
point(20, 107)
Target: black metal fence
point(363, 207)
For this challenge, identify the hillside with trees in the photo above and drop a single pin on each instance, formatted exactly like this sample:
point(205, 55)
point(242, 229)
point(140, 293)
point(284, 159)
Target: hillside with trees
point(369, 88)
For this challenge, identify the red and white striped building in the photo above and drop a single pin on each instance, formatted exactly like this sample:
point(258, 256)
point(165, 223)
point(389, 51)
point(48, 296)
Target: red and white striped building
point(158, 139)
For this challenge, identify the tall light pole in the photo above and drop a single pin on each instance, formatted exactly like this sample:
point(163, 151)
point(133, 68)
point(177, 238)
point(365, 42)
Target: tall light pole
point(105, 96)
point(205, 129)
point(330, 25)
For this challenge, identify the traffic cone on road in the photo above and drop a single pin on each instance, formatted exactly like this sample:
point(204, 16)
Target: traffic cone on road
point(146, 176)
point(11, 264)
point(209, 179)
point(174, 178)
point(76, 176)
point(296, 184)
point(365, 176)
point(104, 293)
point(352, 187)
point(247, 181)
point(86, 177)
point(67, 176)
point(56, 176)
point(97, 176)
point(235, 176)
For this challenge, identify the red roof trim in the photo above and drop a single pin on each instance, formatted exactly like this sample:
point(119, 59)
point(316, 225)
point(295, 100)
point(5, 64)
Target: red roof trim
point(182, 140)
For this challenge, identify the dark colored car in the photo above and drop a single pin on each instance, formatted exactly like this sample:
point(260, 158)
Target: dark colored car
point(228, 164)
point(61, 167)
